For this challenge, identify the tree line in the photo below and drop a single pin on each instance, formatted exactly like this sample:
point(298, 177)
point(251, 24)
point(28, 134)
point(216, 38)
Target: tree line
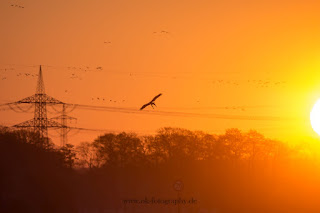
point(234, 171)
point(178, 146)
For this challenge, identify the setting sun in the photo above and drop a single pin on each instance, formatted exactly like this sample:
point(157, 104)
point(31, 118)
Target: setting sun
point(315, 117)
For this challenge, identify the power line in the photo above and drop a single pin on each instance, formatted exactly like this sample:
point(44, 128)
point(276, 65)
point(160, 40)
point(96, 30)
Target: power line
point(132, 110)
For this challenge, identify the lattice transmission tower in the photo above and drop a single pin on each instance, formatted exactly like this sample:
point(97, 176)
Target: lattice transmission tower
point(40, 123)
point(64, 128)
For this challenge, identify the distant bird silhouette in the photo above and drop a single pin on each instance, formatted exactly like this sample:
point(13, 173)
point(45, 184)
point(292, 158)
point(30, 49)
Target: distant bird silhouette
point(162, 32)
point(151, 102)
point(18, 6)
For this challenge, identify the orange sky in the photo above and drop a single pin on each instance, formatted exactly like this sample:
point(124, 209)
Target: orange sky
point(204, 56)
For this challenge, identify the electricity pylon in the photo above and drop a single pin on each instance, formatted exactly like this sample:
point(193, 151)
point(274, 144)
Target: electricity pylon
point(40, 99)
point(64, 128)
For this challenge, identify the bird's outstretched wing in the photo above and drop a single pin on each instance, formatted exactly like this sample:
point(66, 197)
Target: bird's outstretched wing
point(155, 98)
point(144, 106)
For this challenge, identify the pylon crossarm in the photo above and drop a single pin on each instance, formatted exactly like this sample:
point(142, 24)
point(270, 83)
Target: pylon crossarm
point(65, 107)
point(39, 98)
point(30, 99)
point(29, 123)
point(54, 124)
point(51, 100)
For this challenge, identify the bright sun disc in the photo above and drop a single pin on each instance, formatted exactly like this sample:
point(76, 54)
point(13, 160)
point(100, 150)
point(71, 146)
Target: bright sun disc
point(315, 117)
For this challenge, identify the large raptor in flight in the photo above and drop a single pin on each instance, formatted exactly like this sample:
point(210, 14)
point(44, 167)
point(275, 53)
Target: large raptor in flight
point(151, 102)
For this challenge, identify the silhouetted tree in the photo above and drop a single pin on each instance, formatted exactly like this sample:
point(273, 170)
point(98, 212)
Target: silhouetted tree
point(177, 145)
point(236, 144)
point(69, 155)
point(88, 156)
point(120, 150)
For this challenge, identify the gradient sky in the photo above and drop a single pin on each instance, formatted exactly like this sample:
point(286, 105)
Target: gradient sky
point(255, 63)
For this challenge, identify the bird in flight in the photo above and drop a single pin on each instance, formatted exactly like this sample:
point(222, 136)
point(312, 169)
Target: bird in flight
point(151, 102)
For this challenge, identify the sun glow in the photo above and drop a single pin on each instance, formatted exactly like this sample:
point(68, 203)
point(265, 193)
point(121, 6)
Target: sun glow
point(315, 117)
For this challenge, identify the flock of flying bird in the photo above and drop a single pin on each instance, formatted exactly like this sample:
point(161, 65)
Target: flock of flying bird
point(257, 83)
point(85, 69)
point(17, 6)
point(26, 75)
point(105, 99)
point(161, 32)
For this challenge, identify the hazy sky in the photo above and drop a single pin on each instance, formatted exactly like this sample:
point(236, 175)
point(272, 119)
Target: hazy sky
point(243, 64)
